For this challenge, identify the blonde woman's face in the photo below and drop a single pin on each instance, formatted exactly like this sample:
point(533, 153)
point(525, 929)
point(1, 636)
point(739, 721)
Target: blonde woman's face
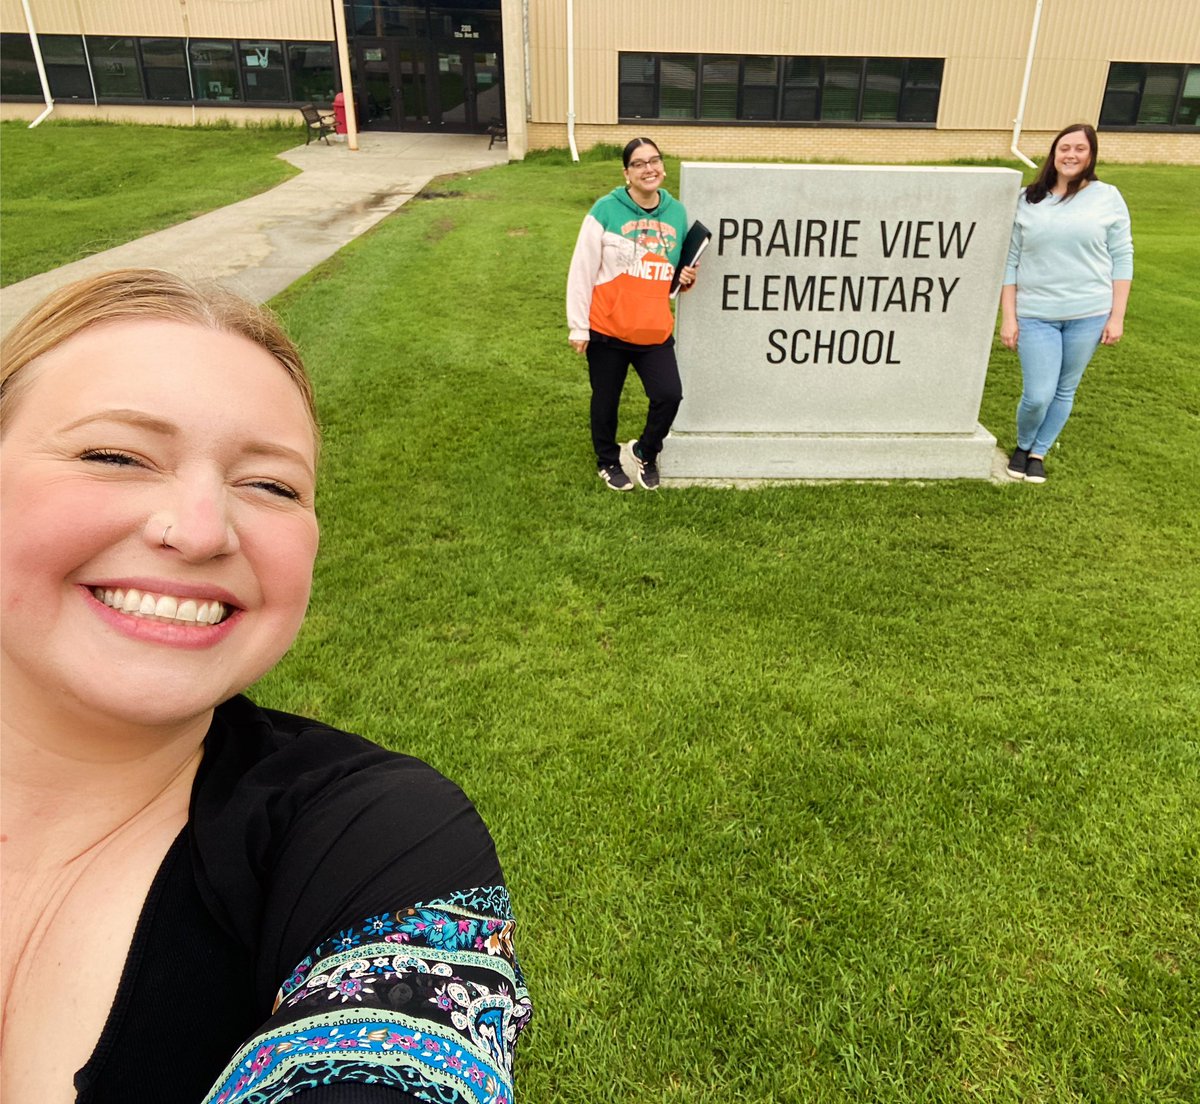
point(158, 535)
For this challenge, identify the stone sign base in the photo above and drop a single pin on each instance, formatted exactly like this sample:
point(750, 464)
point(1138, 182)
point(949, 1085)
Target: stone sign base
point(842, 323)
point(747, 458)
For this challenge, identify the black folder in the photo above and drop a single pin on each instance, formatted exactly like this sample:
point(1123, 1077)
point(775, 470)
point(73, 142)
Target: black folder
point(694, 244)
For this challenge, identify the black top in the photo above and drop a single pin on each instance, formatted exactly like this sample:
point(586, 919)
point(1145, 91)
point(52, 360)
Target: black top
point(270, 941)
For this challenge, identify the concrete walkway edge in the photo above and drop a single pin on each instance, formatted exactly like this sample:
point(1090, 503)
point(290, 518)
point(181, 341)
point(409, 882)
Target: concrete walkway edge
point(261, 245)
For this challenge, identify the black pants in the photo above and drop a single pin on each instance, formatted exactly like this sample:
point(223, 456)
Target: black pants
point(608, 363)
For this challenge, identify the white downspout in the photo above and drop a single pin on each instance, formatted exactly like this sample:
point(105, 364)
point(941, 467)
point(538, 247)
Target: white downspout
point(87, 54)
point(1020, 119)
point(185, 23)
point(528, 76)
point(41, 66)
point(571, 79)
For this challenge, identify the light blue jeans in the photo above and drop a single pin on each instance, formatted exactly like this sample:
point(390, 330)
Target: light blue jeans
point(1053, 357)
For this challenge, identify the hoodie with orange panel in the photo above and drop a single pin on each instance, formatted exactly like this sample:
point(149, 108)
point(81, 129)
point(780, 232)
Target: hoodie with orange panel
point(620, 277)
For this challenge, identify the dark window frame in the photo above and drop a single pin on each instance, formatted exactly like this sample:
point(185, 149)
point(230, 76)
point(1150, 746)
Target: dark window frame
point(655, 86)
point(185, 69)
point(239, 92)
point(60, 72)
point(194, 98)
point(913, 88)
point(1148, 69)
point(335, 72)
point(246, 72)
point(140, 73)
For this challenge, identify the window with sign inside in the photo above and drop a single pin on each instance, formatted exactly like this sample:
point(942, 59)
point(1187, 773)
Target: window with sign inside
point(263, 73)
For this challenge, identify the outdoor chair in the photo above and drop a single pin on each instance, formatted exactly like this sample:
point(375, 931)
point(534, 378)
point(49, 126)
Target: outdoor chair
point(316, 122)
point(498, 131)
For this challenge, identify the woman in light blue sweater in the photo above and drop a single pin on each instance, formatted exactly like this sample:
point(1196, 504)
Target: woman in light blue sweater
point(1070, 265)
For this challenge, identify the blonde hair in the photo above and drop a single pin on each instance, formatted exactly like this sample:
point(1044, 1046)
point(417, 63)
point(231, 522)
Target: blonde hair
point(130, 294)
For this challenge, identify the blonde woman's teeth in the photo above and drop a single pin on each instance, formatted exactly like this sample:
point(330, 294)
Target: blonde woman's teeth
point(164, 607)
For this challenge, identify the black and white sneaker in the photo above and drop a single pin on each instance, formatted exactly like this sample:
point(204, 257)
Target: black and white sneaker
point(1035, 470)
point(614, 475)
point(647, 471)
point(1018, 463)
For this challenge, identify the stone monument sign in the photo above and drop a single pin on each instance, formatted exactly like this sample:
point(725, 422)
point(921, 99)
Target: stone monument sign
point(842, 322)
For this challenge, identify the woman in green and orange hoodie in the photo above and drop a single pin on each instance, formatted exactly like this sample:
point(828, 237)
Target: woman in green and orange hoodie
point(619, 308)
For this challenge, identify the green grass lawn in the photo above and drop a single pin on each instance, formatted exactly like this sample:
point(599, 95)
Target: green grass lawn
point(819, 793)
point(813, 793)
point(68, 190)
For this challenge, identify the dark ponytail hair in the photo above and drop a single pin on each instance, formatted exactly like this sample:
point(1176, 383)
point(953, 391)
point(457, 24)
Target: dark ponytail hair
point(1043, 184)
point(633, 144)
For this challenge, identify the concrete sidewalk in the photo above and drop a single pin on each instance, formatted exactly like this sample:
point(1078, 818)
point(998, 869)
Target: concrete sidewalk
point(261, 245)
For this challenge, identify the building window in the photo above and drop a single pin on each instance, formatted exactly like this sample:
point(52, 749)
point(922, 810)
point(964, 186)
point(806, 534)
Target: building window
point(838, 90)
point(166, 69)
point(311, 66)
point(719, 88)
point(393, 18)
point(214, 70)
point(801, 89)
point(172, 70)
point(263, 74)
point(882, 80)
point(1139, 95)
point(760, 88)
point(638, 74)
point(115, 68)
point(459, 19)
point(18, 70)
point(679, 82)
point(66, 67)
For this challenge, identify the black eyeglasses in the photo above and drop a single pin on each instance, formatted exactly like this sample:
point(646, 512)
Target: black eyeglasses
point(637, 166)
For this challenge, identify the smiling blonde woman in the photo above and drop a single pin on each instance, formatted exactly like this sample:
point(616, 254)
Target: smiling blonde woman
point(204, 900)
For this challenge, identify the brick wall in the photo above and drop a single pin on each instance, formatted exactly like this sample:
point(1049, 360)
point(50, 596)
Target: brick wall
point(154, 115)
point(858, 146)
point(861, 146)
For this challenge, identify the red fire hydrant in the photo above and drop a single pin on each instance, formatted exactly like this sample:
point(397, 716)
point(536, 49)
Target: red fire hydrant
point(339, 113)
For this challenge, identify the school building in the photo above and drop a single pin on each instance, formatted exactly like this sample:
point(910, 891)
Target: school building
point(857, 80)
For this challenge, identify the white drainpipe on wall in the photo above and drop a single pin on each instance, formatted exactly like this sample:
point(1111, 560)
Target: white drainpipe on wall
point(528, 76)
point(1020, 119)
point(571, 79)
point(41, 68)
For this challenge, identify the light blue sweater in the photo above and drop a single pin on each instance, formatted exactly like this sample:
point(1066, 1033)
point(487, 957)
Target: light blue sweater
point(1063, 257)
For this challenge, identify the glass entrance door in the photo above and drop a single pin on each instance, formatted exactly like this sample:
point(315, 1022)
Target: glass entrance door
point(425, 65)
point(414, 89)
point(378, 90)
point(489, 89)
point(454, 103)
point(405, 87)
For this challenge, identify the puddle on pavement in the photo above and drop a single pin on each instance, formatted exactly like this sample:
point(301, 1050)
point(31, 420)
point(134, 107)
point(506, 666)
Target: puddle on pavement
point(364, 206)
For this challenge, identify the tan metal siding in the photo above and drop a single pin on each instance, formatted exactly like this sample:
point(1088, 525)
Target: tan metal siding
point(548, 60)
point(1077, 43)
point(984, 44)
point(292, 19)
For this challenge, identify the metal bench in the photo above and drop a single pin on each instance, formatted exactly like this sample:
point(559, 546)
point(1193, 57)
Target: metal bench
point(316, 122)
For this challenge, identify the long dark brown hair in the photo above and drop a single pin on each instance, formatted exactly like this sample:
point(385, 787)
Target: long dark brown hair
point(1043, 184)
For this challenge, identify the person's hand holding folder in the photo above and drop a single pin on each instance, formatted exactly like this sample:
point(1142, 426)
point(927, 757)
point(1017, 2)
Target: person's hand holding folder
point(694, 245)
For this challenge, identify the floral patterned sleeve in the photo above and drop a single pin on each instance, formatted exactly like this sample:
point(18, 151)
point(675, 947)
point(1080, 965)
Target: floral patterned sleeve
point(428, 1000)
